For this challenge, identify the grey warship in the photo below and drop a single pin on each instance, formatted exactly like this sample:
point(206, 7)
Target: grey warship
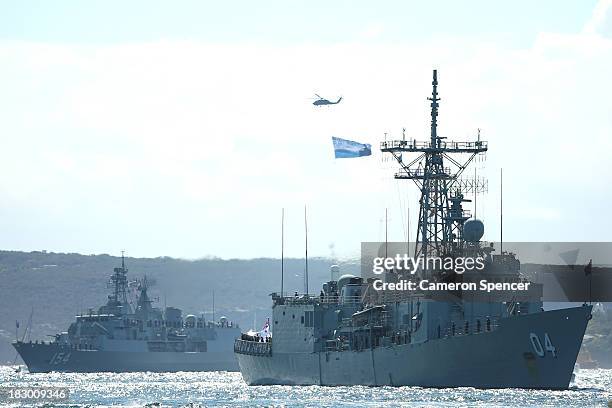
point(116, 338)
point(351, 334)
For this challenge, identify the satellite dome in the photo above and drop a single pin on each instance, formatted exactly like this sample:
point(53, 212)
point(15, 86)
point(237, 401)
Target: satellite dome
point(190, 320)
point(473, 230)
point(344, 279)
point(346, 276)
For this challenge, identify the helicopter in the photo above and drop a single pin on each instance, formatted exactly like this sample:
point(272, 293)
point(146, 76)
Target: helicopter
point(322, 101)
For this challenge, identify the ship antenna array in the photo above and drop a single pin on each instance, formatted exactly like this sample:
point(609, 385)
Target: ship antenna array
point(441, 217)
point(119, 283)
point(501, 211)
point(306, 252)
point(282, 251)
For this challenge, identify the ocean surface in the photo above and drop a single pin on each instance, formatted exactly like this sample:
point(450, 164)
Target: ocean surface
point(592, 388)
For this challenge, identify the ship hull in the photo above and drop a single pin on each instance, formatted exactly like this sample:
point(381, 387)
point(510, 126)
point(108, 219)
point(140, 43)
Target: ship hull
point(503, 358)
point(47, 357)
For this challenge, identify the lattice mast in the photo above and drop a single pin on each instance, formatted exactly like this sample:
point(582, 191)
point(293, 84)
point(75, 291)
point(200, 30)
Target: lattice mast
point(441, 215)
point(119, 283)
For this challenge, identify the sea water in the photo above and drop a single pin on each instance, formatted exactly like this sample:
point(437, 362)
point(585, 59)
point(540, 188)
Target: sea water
point(592, 388)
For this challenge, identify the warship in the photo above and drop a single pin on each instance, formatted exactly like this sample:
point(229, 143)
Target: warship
point(119, 338)
point(352, 334)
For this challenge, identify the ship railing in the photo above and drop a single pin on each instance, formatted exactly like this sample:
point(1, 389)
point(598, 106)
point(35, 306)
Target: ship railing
point(379, 297)
point(337, 345)
point(253, 348)
point(319, 299)
point(419, 173)
point(386, 297)
point(329, 299)
point(473, 326)
point(331, 345)
point(339, 299)
point(448, 145)
point(297, 299)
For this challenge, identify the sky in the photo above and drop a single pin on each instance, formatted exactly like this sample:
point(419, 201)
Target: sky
point(183, 128)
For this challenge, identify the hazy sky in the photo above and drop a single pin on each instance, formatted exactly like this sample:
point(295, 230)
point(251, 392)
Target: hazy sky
point(182, 128)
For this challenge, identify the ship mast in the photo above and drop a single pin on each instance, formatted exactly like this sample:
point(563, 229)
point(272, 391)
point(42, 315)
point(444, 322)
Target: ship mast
point(441, 216)
point(118, 300)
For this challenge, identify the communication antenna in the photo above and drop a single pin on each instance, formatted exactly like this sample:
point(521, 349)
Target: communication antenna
point(213, 311)
point(306, 247)
point(408, 228)
point(282, 250)
point(28, 329)
point(501, 210)
point(386, 235)
point(476, 178)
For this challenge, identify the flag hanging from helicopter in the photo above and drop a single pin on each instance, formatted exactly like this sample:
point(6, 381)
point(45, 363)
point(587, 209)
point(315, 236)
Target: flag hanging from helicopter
point(346, 149)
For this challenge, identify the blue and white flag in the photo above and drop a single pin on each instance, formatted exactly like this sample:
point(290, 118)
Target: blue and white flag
point(346, 149)
point(265, 331)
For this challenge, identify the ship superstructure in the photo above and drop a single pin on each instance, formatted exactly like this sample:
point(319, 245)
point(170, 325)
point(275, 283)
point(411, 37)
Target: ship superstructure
point(351, 334)
point(119, 338)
